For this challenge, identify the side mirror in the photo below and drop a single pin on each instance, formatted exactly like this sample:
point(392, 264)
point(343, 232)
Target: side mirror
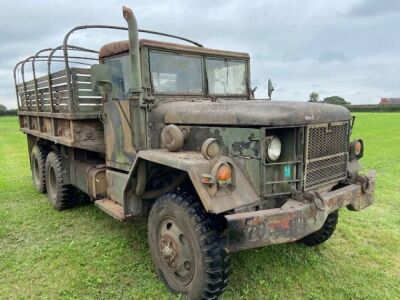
point(270, 89)
point(101, 78)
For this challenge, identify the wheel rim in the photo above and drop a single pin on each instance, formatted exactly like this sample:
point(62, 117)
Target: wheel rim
point(36, 171)
point(52, 183)
point(175, 251)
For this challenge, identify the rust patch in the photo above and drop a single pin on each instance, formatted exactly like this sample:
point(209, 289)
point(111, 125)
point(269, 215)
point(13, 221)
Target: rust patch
point(192, 49)
point(122, 47)
point(253, 221)
point(114, 48)
point(281, 223)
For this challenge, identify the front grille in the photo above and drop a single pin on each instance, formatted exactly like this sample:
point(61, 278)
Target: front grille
point(326, 154)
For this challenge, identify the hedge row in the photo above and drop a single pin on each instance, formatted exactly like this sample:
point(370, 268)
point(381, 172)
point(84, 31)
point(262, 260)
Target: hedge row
point(9, 112)
point(374, 108)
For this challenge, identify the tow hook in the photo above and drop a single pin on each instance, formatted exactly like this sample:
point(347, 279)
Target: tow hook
point(364, 182)
point(320, 202)
point(316, 198)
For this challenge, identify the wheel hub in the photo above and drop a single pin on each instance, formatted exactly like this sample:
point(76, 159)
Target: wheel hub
point(52, 184)
point(169, 250)
point(175, 250)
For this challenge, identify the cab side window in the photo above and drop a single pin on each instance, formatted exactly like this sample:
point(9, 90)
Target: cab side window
point(121, 76)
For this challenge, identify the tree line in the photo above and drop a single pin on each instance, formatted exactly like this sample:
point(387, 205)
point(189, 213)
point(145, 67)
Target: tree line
point(314, 97)
point(7, 112)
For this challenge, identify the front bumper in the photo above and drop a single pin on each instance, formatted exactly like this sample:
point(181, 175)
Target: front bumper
point(296, 218)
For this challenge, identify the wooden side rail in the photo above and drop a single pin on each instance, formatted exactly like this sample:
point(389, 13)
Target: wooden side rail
point(83, 100)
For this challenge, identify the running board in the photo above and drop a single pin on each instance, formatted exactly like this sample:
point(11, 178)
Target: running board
point(111, 208)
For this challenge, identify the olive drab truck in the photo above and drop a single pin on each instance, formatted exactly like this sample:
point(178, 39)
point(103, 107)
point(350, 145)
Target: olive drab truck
point(172, 131)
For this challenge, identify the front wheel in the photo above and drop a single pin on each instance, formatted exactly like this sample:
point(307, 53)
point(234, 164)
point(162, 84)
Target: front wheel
point(187, 248)
point(324, 233)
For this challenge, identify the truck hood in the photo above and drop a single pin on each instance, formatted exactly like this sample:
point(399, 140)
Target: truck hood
point(248, 113)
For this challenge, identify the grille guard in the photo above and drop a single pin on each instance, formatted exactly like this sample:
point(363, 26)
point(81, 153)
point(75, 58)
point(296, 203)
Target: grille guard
point(326, 153)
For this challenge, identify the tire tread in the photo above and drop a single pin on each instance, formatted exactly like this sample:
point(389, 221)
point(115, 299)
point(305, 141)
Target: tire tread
point(324, 233)
point(64, 196)
point(216, 262)
point(41, 153)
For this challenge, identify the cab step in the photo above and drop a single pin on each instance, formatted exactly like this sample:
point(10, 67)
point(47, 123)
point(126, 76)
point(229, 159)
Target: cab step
point(112, 208)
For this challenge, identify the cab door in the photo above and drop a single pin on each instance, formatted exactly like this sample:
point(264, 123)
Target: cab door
point(120, 152)
point(118, 119)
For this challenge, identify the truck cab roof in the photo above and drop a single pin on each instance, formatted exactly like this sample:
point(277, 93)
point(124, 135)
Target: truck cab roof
point(122, 47)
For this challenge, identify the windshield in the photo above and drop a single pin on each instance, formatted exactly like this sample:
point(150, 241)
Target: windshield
point(226, 76)
point(172, 73)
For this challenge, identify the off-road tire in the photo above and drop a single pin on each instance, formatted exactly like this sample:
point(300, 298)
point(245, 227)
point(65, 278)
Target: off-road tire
point(324, 233)
point(60, 194)
point(38, 166)
point(210, 264)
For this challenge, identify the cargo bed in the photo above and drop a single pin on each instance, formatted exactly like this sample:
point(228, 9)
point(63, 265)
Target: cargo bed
point(63, 111)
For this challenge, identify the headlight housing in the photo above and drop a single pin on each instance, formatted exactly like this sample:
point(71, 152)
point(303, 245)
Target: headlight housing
point(211, 149)
point(273, 148)
point(356, 149)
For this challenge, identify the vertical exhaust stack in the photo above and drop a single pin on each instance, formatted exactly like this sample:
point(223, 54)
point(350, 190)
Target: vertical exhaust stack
point(133, 48)
point(137, 111)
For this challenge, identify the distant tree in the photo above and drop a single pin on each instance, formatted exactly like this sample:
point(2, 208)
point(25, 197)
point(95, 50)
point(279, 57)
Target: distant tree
point(335, 100)
point(314, 97)
point(2, 107)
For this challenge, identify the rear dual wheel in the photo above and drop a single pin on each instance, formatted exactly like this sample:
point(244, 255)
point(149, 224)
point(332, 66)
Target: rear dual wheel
point(38, 166)
point(47, 176)
point(58, 192)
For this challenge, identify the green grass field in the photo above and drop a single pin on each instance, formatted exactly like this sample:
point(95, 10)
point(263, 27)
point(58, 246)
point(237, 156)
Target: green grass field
point(85, 254)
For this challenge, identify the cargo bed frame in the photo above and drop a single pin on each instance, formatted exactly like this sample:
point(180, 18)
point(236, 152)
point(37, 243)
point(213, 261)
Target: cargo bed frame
point(61, 106)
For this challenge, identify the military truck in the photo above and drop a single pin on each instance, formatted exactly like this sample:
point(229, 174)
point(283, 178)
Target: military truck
point(172, 132)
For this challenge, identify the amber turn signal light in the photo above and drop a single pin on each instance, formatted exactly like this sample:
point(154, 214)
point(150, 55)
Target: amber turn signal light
point(356, 149)
point(224, 174)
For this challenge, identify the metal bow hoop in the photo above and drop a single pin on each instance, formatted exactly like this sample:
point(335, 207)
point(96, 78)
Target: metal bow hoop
point(66, 58)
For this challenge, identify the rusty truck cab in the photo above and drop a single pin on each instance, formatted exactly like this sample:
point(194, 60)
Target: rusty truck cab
point(160, 69)
point(169, 72)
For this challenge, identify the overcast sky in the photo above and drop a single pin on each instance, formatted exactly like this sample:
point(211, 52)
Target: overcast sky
point(349, 48)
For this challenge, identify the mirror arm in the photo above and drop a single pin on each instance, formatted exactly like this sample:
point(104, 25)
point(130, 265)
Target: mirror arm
point(270, 89)
point(253, 91)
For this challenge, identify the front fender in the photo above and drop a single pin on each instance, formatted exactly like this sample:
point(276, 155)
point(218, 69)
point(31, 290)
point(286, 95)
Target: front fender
point(195, 164)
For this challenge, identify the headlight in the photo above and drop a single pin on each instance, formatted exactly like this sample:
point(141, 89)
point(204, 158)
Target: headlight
point(273, 148)
point(356, 149)
point(211, 149)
